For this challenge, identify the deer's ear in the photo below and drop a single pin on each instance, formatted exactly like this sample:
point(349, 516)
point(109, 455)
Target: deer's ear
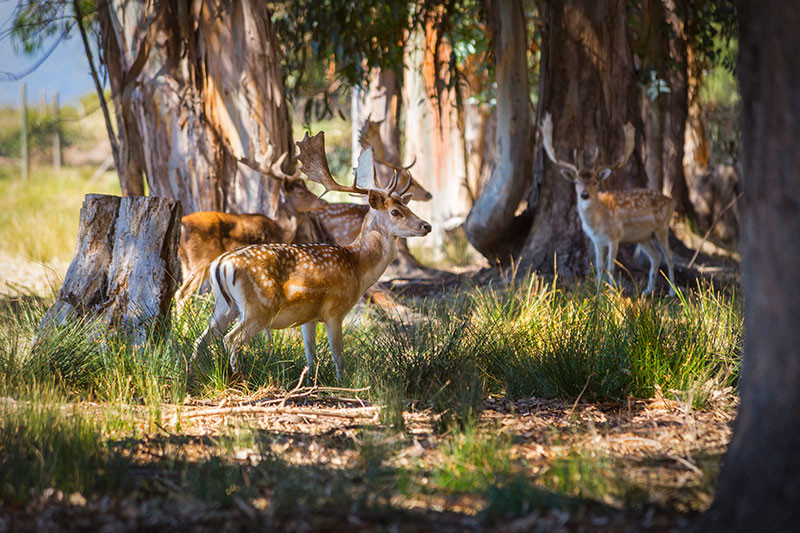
point(603, 174)
point(406, 198)
point(376, 199)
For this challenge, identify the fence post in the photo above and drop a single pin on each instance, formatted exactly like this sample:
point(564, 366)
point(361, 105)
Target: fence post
point(23, 115)
point(56, 133)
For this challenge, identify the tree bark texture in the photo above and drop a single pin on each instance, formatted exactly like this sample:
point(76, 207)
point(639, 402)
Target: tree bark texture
point(759, 484)
point(381, 101)
point(587, 84)
point(125, 269)
point(433, 136)
point(675, 104)
point(197, 85)
point(493, 213)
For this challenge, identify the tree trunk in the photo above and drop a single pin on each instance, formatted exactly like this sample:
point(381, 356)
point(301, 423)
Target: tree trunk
point(381, 101)
point(196, 86)
point(587, 84)
point(105, 280)
point(675, 105)
point(432, 135)
point(491, 217)
point(759, 484)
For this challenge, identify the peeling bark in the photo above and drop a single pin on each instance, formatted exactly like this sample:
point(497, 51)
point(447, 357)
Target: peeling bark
point(433, 136)
point(197, 85)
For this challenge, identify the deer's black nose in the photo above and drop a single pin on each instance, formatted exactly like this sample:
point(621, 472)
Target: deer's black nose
point(585, 195)
point(426, 227)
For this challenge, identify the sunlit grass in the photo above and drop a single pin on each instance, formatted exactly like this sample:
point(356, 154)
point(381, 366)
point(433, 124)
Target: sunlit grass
point(39, 217)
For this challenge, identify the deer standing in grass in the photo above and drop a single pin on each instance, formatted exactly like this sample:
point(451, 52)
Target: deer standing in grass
point(639, 216)
point(205, 235)
point(277, 286)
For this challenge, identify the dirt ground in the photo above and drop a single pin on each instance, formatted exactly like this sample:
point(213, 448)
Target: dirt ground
point(661, 447)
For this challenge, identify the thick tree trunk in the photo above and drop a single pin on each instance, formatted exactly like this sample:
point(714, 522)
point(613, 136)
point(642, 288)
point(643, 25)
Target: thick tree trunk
point(759, 484)
point(196, 86)
point(587, 84)
point(106, 280)
point(491, 217)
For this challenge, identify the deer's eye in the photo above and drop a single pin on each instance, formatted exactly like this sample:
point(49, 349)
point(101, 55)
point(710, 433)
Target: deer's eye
point(395, 212)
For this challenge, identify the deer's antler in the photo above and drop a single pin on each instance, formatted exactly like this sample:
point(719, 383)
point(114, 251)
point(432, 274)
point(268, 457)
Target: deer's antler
point(268, 167)
point(547, 140)
point(370, 136)
point(315, 165)
point(630, 143)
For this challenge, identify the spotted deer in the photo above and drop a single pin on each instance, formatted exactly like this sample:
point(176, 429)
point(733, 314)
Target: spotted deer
point(276, 286)
point(640, 216)
point(205, 235)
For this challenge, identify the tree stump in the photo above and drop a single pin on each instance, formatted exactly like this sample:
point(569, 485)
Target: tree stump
point(126, 269)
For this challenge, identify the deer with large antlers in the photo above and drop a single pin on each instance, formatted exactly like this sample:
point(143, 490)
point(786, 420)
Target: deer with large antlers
point(277, 286)
point(205, 235)
point(343, 221)
point(640, 216)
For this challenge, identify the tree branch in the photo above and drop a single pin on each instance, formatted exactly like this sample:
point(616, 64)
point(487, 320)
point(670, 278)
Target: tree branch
point(109, 129)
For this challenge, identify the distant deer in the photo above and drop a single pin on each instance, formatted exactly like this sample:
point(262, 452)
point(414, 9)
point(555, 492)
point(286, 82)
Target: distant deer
point(277, 286)
point(205, 235)
point(639, 216)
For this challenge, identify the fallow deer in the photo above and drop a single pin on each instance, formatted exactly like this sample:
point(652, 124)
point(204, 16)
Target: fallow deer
point(343, 221)
point(205, 235)
point(277, 286)
point(639, 216)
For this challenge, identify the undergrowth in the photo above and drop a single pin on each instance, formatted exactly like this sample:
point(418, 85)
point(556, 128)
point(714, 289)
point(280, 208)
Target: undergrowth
point(444, 356)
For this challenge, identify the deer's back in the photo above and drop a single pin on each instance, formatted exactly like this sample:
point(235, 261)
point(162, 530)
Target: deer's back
point(343, 221)
point(638, 212)
point(205, 235)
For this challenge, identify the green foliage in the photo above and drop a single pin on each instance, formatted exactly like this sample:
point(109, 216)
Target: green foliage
point(37, 21)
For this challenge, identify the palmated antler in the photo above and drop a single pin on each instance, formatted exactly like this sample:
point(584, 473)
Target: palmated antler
point(630, 143)
point(315, 165)
point(547, 140)
point(268, 167)
point(370, 136)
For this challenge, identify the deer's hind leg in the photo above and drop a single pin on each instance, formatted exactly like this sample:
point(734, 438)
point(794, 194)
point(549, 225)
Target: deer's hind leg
point(249, 325)
point(655, 261)
point(224, 314)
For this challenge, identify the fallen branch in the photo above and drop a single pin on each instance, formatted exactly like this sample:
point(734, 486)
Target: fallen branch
point(350, 413)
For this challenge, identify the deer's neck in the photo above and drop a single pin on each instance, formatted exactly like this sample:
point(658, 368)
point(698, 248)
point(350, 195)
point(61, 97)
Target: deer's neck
point(374, 249)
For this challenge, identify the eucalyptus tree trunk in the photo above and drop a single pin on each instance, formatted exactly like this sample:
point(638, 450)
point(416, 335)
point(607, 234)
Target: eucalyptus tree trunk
point(759, 484)
point(587, 84)
point(197, 85)
point(488, 226)
point(433, 136)
point(381, 102)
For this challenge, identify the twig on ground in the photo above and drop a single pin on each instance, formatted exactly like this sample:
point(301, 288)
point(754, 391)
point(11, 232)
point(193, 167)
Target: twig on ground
point(574, 405)
point(349, 413)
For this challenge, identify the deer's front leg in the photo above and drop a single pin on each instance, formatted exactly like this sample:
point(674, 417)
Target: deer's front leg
point(309, 343)
point(613, 247)
point(334, 330)
point(598, 261)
